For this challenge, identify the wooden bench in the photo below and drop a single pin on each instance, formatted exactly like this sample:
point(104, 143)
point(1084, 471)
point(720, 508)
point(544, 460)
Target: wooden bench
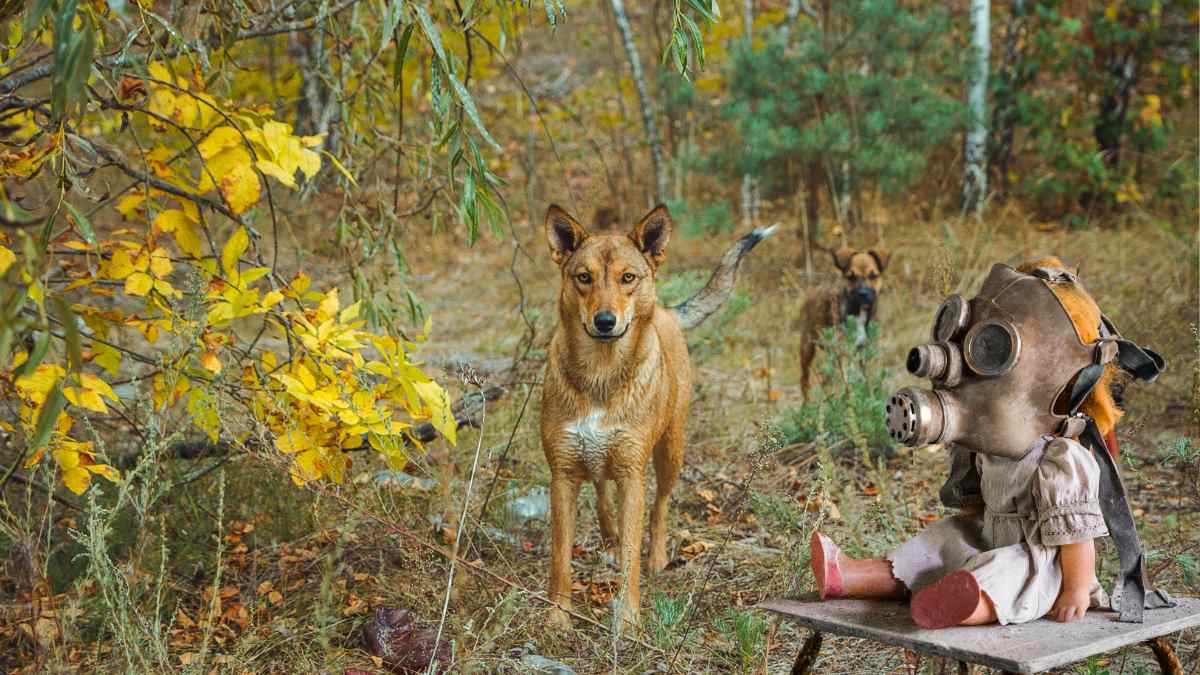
point(1020, 648)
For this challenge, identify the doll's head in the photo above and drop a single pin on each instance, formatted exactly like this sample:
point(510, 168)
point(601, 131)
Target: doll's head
point(1014, 363)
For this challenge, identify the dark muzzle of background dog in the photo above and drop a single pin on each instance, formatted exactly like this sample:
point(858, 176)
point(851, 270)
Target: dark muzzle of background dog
point(859, 301)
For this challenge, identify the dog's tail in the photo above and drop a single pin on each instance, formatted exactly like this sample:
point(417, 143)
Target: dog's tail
point(693, 311)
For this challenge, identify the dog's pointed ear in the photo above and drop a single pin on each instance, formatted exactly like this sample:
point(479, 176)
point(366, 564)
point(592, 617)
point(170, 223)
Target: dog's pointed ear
point(652, 234)
point(881, 256)
point(842, 256)
point(563, 233)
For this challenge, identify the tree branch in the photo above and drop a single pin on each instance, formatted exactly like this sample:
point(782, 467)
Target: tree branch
point(466, 411)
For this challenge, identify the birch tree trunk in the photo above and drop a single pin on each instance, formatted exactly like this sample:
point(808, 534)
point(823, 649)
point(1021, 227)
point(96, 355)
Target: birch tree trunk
point(793, 12)
point(975, 150)
point(647, 105)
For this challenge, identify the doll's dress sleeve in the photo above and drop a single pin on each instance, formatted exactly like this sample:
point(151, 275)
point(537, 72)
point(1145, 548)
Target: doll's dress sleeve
point(1066, 491)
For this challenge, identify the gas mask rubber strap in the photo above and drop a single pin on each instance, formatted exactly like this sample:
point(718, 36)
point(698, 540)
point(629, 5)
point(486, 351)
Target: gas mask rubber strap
point(1084, 382)
point(1136, 592)
point(1144, 364)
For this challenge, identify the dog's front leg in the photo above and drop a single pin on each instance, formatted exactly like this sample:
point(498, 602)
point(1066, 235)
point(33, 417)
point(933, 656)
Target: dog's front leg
point(564, 492)
point(630, 490)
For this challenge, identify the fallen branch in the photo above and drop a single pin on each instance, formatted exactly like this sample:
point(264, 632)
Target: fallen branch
point(466, 411)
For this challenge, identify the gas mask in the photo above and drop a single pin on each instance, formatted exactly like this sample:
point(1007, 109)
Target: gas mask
point(1008, 366)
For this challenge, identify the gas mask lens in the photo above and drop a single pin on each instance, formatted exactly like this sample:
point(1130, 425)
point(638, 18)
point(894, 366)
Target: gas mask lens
point(951, 319)
point(991, 348)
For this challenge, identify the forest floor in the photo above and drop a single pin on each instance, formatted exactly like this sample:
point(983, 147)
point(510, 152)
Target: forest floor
point(300, 572)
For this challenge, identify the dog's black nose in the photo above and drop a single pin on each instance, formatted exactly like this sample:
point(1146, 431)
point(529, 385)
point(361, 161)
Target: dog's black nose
point(605, 321)
point(865, 293)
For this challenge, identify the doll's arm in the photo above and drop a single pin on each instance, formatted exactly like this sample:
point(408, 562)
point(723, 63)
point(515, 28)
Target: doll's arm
point(1078, 563)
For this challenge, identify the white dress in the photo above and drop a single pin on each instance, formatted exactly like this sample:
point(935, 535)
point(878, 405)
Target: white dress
point(1031, 507)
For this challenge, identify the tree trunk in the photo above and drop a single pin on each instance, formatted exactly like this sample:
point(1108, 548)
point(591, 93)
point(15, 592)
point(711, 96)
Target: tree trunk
point(1012, 80)
point(1122, 68)
point(975, 151)
point(639, 81)
point(618, 129)
point(317, 107)
point(793, 13)
point(750, 193)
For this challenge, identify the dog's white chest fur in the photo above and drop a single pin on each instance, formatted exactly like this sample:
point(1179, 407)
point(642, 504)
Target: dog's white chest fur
point(592, 436)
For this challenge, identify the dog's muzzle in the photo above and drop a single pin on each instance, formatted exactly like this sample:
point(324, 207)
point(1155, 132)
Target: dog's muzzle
point(860, 302)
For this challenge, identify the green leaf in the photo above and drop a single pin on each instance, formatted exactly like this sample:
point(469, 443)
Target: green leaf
point(34, 16)
point(41, 342)
point(460, 91)
point(11, 213)
point(84, 225)
point(401, 52)
point(70, 332)
point(47, 417)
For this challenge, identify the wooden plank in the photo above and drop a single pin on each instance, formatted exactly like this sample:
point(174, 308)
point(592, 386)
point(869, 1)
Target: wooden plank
point(1025, 648)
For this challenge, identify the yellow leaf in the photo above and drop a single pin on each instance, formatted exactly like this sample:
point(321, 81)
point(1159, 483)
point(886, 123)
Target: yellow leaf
point(77, 479)
point(187, 238)
point(170, 220)
point(210, 362)
point(138, 283)
point(220, 314)
point(440, 415)
point(231, 169)
point(241, 188)
point(160, 263)
point(292, 441)
point(107, 358)
point(130, 203)
point(85, 398)
point(305, 376)
point(233, 250)
point(307, 466)
point(329, 306)
point(120, 265)
point(274, 170)
point(97, 385)
point(105, 470)
point(220, 139)
point(7, 258)
point(271, 299)
point(350, 313)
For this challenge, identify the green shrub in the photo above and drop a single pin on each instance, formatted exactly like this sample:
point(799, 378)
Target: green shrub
point(846, 410)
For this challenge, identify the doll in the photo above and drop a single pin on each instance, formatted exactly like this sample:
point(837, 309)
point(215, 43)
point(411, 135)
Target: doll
point(1021, 396)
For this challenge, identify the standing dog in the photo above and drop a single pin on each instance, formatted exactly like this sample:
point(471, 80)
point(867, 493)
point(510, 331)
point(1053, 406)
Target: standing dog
point(856, 296)
point(617, 387)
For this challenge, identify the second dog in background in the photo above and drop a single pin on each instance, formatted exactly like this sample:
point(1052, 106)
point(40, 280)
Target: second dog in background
point(857, 296)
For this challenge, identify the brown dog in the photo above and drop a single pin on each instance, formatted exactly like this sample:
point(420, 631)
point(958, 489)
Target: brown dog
point(856, 296)
point(617, 387)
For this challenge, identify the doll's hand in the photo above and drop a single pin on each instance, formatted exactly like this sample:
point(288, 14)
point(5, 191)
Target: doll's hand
point(1072, 603)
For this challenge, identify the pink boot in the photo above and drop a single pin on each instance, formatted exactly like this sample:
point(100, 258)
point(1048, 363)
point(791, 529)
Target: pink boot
point(949, 602)
point(826, 557)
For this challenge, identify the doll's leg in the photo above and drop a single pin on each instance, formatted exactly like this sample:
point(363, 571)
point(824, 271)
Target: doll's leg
point(840, 576)
point(955, 600)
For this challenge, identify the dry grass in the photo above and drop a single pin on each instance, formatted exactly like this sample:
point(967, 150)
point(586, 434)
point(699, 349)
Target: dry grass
point(305, 568)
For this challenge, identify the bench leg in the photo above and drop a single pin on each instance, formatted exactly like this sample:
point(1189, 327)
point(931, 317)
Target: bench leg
point(1168, 660)
point(808, 654)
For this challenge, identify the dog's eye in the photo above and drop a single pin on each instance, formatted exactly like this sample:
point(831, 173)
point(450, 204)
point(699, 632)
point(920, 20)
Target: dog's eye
point(853, 277)
point(583, 278)
point(873, 276)
point(628, 278)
